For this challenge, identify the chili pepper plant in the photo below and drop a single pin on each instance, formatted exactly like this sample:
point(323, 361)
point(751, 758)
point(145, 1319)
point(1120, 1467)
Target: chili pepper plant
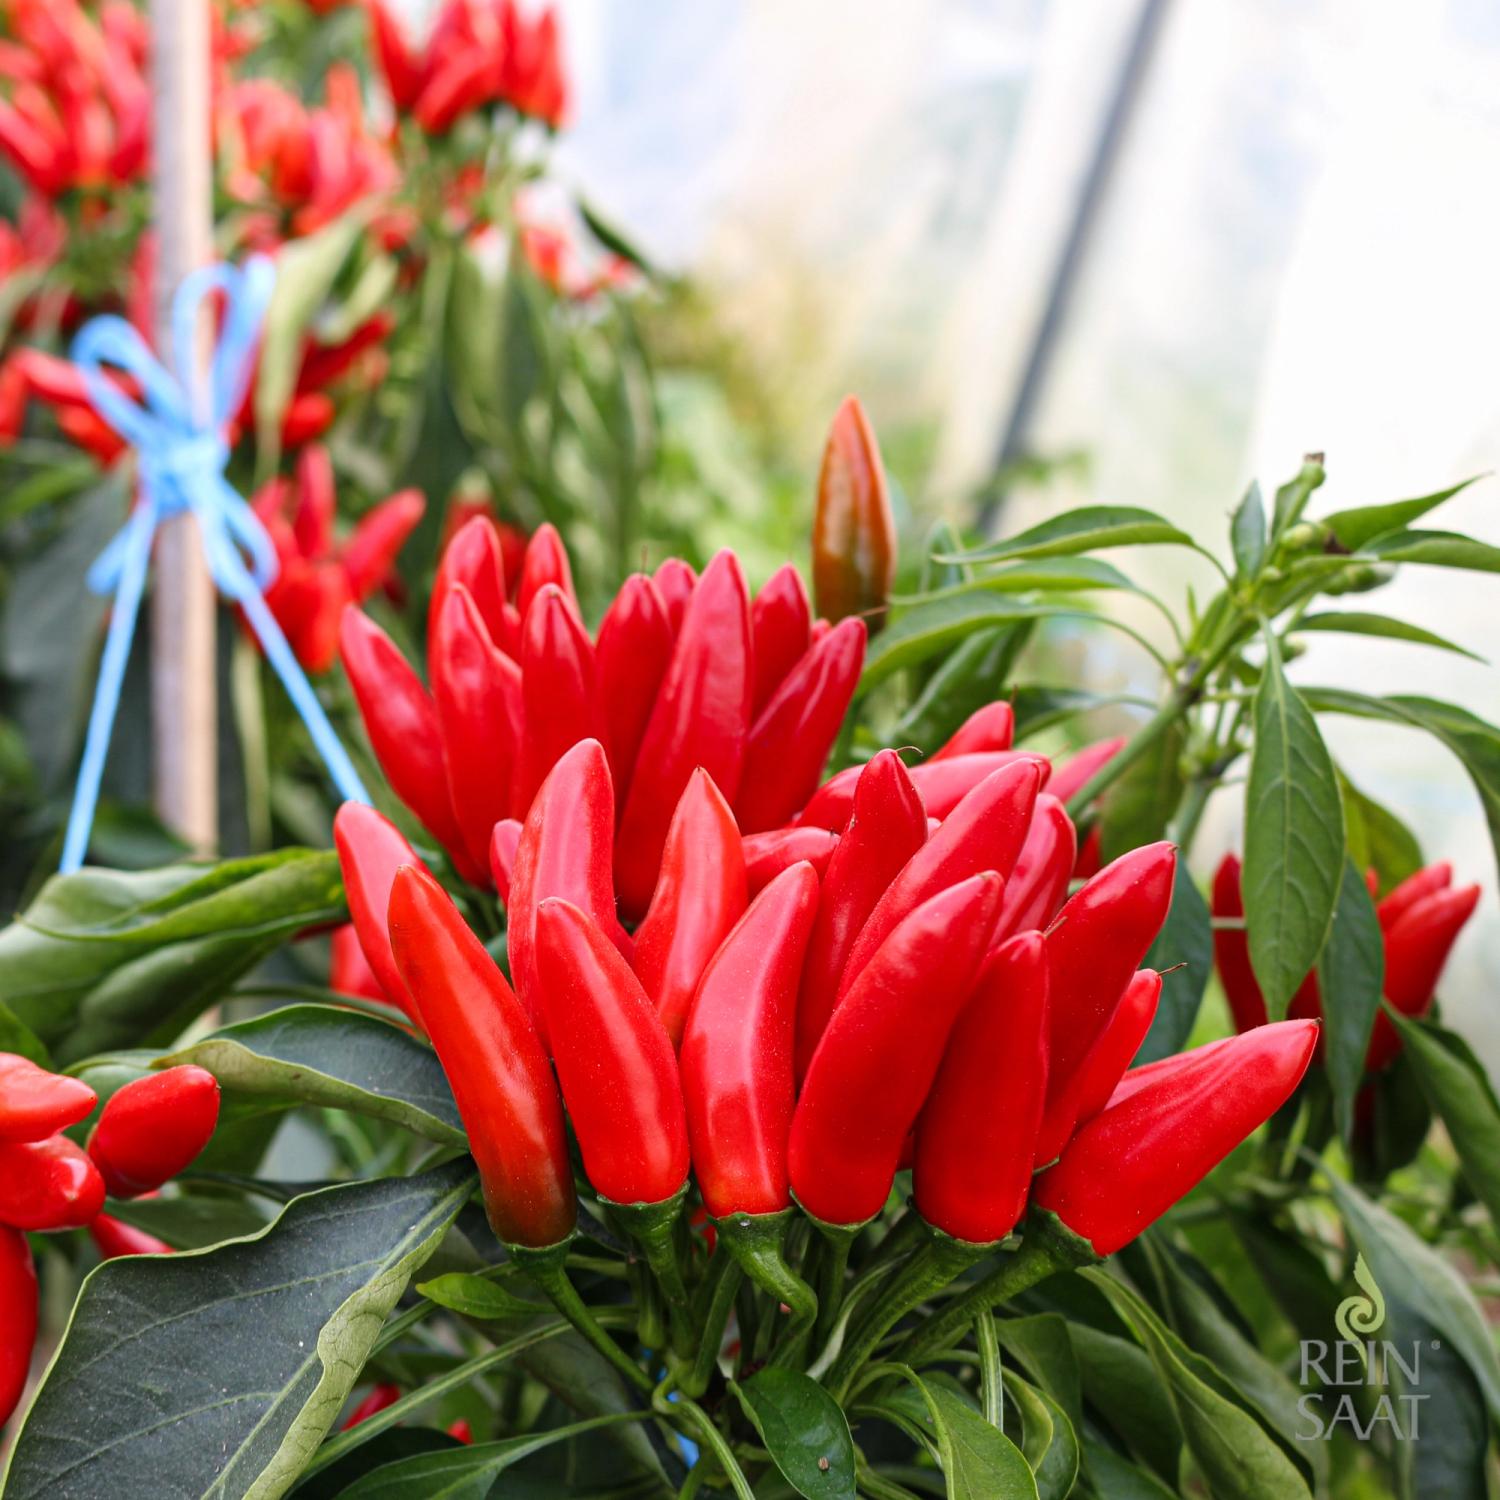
point(768, 1046)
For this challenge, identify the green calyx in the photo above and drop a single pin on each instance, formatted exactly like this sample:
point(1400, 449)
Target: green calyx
point(655, 1228)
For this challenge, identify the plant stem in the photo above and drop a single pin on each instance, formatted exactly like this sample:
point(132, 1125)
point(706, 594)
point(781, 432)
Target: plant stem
point(833, 1267)
point(653, 1226)
point(724, 1276)
point(755, 1241)
point(702, 1424)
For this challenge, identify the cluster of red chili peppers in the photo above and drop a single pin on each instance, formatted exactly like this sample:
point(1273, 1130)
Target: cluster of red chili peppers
point(147, 1132)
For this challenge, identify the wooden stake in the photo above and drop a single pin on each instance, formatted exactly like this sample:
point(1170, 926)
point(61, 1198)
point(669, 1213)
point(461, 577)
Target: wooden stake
point(184, 704)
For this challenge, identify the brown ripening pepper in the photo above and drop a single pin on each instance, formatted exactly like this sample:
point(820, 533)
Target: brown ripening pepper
point(854, 530)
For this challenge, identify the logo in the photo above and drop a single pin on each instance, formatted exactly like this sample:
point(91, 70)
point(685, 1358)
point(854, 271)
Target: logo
point(1357, 1383)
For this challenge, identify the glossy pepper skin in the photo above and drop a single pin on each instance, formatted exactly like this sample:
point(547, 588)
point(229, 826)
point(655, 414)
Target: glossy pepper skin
point(615, 1062)
point(505, 840)
point(113, 1237)
point(886, 829)
point(1039, 882)
point(1232, 949)
point(992, 727)
point(790, 739)
point(564, 850)
point(154, 1127)
point(473, 560)
point(976, 1135)
point(985, 832)
point(546, 562)
point(35, 1103)
point(495, 1064)
point(699, 896)
point(1103, 1065)
point(18, 1318)
point(768, 854)
point(675, 581)
point(477, 690)
point(631, 654)
point(780, 625)
point(1073, 774)
point(736, 1057)
point(876, 1062)
point(1131, 1163)
point(349, 971)
point(854, 530)
point(371, 850)
point(701, 718)
point(47, 1185)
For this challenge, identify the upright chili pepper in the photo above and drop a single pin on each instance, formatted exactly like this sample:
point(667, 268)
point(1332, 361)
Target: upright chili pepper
point(631, 654)
point(699, 896)
point(46, 1185)
point(886, 829)
point(1039, 882)
point(976, 1135)
point(1104, 1064)
point(675, 581)
point(152, 1128)
point(737, 1052)
point(504, 842)
point(780, 620)
point(986, 831)
point(369, 555)
point(546, 562)
point(768, 854)
point(565, 850)
point(616, 1065)
point(1073, 775)
point(1131, 1163)
point(790, 740)
point(875, 1065)
point(371, 850)
point(494, 1061)
point(992, 727)
point(474, 559)
point(477, 689)
point(35, 1103)
point(701, 718)
point(113, 1237)
point(1095, 946)
point(1424, 882)
point(854, 531)
point(18, 1318)
point(349, 971)
point(402, 722)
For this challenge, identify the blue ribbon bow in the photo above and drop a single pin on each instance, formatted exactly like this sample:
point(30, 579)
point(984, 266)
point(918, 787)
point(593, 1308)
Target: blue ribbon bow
point(178, 434)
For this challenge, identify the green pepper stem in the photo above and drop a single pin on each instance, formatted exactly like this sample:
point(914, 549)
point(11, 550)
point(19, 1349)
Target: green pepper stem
point(833, 1267)
point(755, 1242)
point(653, 1226)
point(724, 1276)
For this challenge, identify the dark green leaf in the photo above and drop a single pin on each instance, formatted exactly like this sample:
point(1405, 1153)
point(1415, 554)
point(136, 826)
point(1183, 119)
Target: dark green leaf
point(223, 1368)
point(19, 1038)
point(978, 1460)
point(1378, 839)
point(191, 1221)
point(1088, 529)
point(479, 1297)
point(613, 239)
point(1361, 622)
point(1039, 707)
point(336, 1059)
point(1121, 1383)
point(1445, 1433)
point(967, 679)
point(1247, 533)
point(384, 1448)
point(1364, 523)
point(1049, 1443)
point(924, 630)
point(1116, 1478)
point(804, 1430)
point(1294, 838)
point(1438, 549)
point(1139, 806)
point(1041, 1343)
point(1351, 973)
point(1043, 574)
point(1185, 945)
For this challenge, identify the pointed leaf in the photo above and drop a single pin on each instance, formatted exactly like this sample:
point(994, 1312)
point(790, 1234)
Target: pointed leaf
point(1088, 529)
point(1247, 533)
point(804, 1431)
point(1351, 974)
point(1364, 523)
point(1185, 945)
point(1362, 622)
point(1438, 549)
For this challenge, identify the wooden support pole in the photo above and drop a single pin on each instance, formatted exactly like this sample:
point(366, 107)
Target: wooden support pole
point(184, 705)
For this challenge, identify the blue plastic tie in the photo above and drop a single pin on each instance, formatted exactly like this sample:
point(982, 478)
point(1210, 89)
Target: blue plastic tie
point(178, 435)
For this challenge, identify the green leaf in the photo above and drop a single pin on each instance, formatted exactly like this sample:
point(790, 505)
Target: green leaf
point(1353, 528)
point(804, 1431)
point(1139, 806)
point(924, 630)
point(1410, 1271)
point(19, 1038)
point(1378, 839)
point(978, 1460)
point(1039, 574)
point(1041, 1343)
point(1039, 706)
point(1121, 1383)
point(1459, 1091)
point(1292, 497)
point(1239, 1458)
point(336, 1059)
point(1362, 622)
point(479, 1297)
point(1247, 533)
point(1088, 529)
point(224, 1368)
point(1294, 838)
point(613, 239)
point(1049, 1443)
point(190, 1220)
point(1116, 1478)
point(1438, 549)
point(1185, 945)
point(383, 1448)
point(967, 679)
point(104, 959)
point(1351, 974)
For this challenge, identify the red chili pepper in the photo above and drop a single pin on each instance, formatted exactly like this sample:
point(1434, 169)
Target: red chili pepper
point(780, 620)
point(1414, 888)
point(1164, 1067)
point(992, 727)
point(398, 64)
point(46, 1185)
point(1039, 881)
point(504, 842)
point(559, 691)
point(35, 1103)
point(976, 1135)
point(1095, 946)
point(349, 971)
point(874, 1067)
point(495, 1064)
point(1232, 955)
point(369, 556)
point(113, 1237)
point(371, 850)
point(1131, 1163)
point(457, 85)
point(1072, 775)
point(380, 1397)
point(154, 1127)
point(1103, 1066)
point(18, 1318)
point(546, 562)
point(854, 531)
point(699, 896)
point(886, 830)
point(402, 722)
point(564, 850)
point(615, 1062)
point(308, 416)
point(737, 1051)
point(675, 581)
point(701, 718)
point(768, 854)
point(633, 650)
point(790, 740)
point(477, 689)
point(461, 1431)
point(474, 559)
point(986, 831)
